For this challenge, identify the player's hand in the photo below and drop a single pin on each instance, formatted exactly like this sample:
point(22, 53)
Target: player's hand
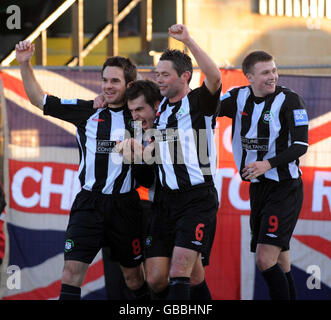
point(24, 51)
point(99, 102)
point(255, 169)
point(124, 148)
point(179, 32)
point(140, 153)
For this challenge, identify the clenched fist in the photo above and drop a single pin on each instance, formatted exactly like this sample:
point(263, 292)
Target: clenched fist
point(24, 51)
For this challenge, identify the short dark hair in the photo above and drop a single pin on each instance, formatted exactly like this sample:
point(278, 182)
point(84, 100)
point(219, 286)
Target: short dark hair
point(149, 89)
point(253, 58)
point(180, 61)
point(129, 69)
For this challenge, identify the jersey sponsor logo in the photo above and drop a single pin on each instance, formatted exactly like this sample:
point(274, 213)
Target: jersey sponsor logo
point(243, 113)
point(106, 146)
point(170, 135)
point(300, 117)
point(256, 144)
point(198, 243)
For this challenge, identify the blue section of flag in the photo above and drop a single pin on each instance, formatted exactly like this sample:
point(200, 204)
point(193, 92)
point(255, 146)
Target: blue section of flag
point(316, 92)
point(49, 133)
point(261, 291)
point(100, 294)
point(29, 248)
point(89, 79)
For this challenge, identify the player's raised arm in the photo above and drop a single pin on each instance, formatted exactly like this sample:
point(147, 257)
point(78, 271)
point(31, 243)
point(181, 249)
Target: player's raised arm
point(206, 64)
point(24, 53)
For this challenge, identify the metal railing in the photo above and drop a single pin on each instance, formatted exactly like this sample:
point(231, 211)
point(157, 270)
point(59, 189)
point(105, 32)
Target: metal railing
point(110, 30)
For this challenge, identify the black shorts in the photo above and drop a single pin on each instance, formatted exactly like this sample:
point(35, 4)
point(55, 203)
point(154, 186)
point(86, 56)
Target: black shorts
point(275, 208)
point(100, 220)
point(183, 219)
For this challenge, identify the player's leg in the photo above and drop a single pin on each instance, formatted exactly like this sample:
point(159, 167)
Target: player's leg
point(83, 236)
point(285, 264)
point(134, 277)
point(72, 278)
point(124, 236)
point(195, 229)
point(135, 280)
point(157, 275)
point(272, 224)
point(199, 288)
point(182, 263)
point(158, 249)
point(296, 197)
point(284, 261)
point(266, 260)
point(266, 256)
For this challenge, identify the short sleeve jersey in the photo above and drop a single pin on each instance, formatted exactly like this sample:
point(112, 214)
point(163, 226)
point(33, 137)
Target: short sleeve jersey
point(101, 167)
point(185, 146)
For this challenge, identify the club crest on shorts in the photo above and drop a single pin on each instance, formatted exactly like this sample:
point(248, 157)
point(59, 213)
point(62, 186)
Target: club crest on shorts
point(148, 241)
point(69, 244)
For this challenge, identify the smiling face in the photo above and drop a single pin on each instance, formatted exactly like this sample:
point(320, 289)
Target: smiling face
point(113, 86)
point(171, 85)
point(263, 78)
point(142, 111)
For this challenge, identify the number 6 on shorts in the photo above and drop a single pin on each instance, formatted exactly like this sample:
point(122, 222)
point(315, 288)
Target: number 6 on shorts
point(199, 231)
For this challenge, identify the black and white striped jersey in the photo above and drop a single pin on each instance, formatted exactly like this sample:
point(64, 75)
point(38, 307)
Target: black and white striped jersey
point(185, 148)
point(266, 129)
point(101, 168)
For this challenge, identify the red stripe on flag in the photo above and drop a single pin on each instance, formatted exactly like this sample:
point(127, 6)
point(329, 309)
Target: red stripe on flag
point(223, 274)
point(317, 243)
point(319, 133)
point(13, 84)
point(49, 292)
point(52, 291)
point(94, 272)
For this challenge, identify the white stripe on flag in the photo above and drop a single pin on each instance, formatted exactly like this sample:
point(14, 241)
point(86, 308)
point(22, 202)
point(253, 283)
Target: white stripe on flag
point(39, 276)
point(37, 221)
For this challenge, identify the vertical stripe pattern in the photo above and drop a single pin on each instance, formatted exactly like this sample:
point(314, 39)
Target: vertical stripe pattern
point(101, 168)
point(261, 128)
point(185, 147)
